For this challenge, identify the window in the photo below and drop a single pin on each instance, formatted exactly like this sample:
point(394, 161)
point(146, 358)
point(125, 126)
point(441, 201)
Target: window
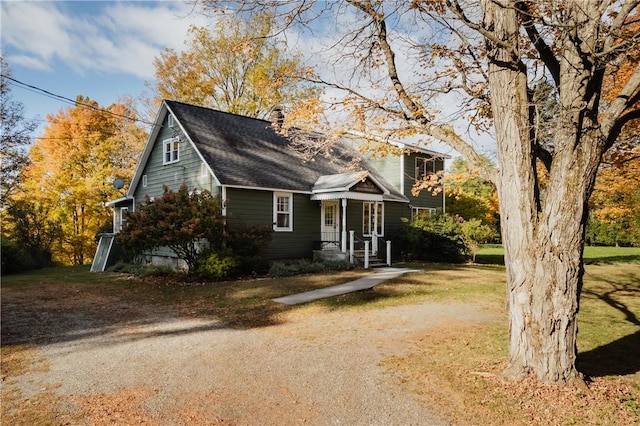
point(123, 216)
point(171, 121)
point(203, 170)
point(144, 181)
point(282, 211)
point(418, 212)
point(171, 150)
point(425, 167)
point(372, 218)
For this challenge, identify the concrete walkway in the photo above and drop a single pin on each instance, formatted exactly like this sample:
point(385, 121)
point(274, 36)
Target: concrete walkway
point(364, 283)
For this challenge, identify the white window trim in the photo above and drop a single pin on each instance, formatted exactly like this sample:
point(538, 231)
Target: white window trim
point(377, 212)
point(415, 211)
point(277, 228)
point(170, 142)
point(123, 211)
point(144, 181)
point(421, 173)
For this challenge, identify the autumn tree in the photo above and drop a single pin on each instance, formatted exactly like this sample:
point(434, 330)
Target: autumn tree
point(235, 68)
point(73, 166)
point(615, 203)
point(16, 131)
point(409, 63)
point(184, 221)
point(469, 195)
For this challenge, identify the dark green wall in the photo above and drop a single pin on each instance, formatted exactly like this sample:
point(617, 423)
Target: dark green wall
point(256, 207)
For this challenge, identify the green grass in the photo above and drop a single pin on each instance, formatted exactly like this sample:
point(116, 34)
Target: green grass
point(494, 254)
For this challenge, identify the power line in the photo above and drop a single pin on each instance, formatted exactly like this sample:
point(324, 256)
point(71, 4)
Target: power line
point(71, 101)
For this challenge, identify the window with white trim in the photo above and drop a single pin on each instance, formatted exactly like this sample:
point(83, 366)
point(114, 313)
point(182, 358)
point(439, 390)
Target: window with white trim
point(123, 216)
point(425, 167)
point(419, 212)
point(171, 150)
point(144, 181)
point(282, 211)
point(372, 218)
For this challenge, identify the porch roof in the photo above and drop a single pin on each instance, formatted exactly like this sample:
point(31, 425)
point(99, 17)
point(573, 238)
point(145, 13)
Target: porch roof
point(122, 201)
point(352, 185)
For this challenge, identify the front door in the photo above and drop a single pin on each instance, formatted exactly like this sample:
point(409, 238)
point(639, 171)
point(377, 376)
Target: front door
point(330, 231)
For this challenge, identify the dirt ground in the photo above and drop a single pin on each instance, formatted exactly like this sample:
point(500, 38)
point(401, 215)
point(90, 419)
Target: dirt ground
point(99, 360)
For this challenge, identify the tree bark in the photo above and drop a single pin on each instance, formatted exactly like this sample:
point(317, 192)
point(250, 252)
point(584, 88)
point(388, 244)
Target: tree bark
point(543, 237)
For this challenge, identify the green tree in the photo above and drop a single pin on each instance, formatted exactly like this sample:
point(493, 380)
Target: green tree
point(475, 233)
point(34, 229)
point(187, 222)
point(73, 166)
point(405, 58)
point(238, 68)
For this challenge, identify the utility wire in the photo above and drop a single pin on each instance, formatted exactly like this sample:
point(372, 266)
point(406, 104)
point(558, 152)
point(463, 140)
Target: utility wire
point(71, 101)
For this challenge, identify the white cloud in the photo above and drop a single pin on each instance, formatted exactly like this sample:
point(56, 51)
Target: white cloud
point(120, 37)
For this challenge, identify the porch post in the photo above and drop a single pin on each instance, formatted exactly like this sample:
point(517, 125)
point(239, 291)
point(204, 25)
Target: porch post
point(344, 226)
point(366, 255)
point(351, 245)
point(388, 252)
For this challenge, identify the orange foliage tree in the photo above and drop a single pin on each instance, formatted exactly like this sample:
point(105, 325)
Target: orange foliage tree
point(73, 166)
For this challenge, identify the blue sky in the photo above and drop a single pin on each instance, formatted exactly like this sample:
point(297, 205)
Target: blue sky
point(105, 49)
point(100, 49)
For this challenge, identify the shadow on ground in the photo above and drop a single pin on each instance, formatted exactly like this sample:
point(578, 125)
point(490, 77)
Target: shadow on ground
point(41, 309)
point(619, 357)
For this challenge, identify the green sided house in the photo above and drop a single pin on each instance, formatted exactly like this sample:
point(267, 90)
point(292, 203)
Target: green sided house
point(320, 206)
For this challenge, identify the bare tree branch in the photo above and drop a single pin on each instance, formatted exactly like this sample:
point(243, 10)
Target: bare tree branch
point(443, 132)
point(546, 54)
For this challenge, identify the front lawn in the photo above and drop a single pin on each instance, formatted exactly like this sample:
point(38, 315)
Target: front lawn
point(455, 369)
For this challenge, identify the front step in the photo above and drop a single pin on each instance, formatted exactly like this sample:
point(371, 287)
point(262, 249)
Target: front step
point(374, 261)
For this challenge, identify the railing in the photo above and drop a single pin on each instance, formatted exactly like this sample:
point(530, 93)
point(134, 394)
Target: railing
point(358, 244)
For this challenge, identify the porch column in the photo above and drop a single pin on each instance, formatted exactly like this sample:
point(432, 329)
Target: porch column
point(344, 226)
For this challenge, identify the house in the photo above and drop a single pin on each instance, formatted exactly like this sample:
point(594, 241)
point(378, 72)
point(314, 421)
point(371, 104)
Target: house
point(312, 205)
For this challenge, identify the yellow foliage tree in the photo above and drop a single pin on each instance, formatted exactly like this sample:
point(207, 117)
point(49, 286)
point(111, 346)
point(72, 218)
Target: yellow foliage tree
point(238, 68)
point(73, 166)
point(470, 196)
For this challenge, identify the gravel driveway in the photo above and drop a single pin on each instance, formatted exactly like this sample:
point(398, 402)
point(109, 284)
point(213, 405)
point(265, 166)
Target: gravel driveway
point(318, 368)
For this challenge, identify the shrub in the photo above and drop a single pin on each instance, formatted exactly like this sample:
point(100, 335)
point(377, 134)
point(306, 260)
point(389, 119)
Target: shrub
point(437, 238)
point(248, 240)
point(252, 266)
point(282, 269)
point(475, 233)
point(126, 268)
point(15, 258)
point(217, 265)
point(179, 220)
point(156, 271)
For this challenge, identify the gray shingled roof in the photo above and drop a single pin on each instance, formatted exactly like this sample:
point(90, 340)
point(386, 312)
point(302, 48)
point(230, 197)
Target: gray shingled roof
point(248, 152)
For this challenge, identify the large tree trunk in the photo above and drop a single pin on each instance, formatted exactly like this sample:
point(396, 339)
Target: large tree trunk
point(542, 231)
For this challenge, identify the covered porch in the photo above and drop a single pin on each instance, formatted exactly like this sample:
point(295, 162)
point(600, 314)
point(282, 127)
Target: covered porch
point(360, 192)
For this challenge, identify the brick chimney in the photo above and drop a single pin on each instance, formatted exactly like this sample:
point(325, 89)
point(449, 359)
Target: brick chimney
point(276, 118)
